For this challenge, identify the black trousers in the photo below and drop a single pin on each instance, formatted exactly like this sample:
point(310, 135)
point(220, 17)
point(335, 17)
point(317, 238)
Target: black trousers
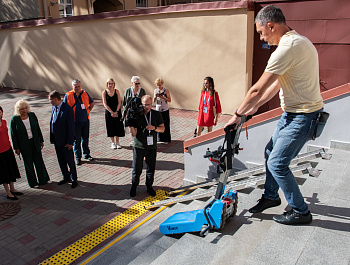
point(165, 136)
point(66, 159)
point(150, 156)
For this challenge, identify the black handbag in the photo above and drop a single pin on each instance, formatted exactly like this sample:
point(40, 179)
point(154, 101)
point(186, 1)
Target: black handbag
point(320, 124)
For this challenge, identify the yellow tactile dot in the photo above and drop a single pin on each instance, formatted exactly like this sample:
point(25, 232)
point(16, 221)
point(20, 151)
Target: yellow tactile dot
point(85, 244)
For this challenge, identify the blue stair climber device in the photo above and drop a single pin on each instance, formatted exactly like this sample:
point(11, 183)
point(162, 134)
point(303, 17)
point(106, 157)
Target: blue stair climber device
point(223, 206)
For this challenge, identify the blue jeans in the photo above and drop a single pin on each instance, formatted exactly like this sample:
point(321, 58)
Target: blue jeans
point(292, 132)
point(82, 138)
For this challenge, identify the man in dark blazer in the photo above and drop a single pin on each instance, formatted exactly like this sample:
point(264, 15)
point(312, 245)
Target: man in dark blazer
point(62, 133)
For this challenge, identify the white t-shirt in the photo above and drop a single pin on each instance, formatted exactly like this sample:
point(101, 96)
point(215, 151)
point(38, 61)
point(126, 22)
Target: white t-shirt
point(296, 61)
point(26, 123)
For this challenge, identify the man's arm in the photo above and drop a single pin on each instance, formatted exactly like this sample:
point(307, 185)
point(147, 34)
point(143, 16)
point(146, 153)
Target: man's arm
point(91, 106)
point(269, 94)
point(160, 128)
point(70, 126)
point(256, 95)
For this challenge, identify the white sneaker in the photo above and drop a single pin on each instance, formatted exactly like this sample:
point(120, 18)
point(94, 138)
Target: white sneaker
point(113, 146)
point(119, 146)
point(49, 181)
point(132, 143)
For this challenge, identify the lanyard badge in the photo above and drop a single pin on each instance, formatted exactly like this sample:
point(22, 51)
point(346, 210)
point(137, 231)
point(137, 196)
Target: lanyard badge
point(149, 137)
point(205, 108)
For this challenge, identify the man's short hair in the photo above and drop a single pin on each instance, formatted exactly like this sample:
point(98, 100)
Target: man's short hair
point(55, 94)
point(75, 81)
point(270, 13)
point(146, 97)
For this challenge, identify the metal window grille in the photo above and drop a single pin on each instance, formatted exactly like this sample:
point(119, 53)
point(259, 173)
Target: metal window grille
point(66, 8)
point(141, 3)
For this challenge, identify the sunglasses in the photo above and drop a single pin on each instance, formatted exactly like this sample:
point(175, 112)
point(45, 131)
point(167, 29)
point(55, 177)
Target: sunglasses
point(137, 83)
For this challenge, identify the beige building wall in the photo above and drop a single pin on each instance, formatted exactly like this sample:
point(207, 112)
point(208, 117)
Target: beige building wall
point(180, 47)
point(16, 10)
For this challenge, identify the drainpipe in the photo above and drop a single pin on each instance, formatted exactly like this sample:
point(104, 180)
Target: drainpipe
point(89, 6)
point(44, 9)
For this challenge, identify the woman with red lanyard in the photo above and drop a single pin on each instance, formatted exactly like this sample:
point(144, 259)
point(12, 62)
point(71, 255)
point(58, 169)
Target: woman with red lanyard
point(8, 166)
point(209, 102)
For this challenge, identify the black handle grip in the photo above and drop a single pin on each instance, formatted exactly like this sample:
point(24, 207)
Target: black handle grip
point(229, 128)
point(232, 126)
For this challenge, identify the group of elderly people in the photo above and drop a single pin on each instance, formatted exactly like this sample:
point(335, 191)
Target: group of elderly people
point(27, 138)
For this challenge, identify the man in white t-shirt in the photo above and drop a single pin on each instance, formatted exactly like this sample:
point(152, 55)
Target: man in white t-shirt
point(293, 70)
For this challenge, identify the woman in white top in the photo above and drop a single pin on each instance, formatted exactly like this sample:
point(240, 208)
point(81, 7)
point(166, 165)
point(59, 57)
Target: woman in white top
point(162, 98)
point(28, 140)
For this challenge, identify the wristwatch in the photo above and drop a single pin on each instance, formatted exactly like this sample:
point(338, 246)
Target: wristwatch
point(238, 115)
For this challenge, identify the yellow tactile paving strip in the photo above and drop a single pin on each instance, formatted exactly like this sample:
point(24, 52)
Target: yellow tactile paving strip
point(85, 244)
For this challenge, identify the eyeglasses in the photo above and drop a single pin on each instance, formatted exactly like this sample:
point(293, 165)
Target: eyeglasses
point(137, 83)
point(147, 105)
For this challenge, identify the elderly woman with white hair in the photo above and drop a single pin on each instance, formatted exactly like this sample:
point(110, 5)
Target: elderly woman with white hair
point(28, 140)
point(134, 91)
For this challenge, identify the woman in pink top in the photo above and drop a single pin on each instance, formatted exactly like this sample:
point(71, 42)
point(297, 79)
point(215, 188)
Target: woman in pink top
point(8, 166)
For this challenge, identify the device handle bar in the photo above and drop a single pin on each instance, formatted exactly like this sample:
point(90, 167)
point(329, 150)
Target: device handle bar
point(206, 217)
point(231, 139)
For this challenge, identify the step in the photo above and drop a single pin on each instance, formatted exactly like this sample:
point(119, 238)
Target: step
point(235, 185)
point(245, 238)
point(324, 241)
point(151, 248)
point(189, 249)
point(237, 240)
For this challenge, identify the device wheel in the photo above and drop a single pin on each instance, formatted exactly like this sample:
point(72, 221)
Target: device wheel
point(234, 210)
point(223, 218)
point(203, 228)
point(235, 205)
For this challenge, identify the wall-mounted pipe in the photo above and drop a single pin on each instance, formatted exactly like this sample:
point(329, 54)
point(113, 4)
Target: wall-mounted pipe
point(45, 9)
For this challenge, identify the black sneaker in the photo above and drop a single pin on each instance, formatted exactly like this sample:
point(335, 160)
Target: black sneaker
point(291, 218)
point(133, 192)
point(78, 161)
point(151, 191)
point(63, 182)
point(264, 204)
point(89, 158)
point(74, 184)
